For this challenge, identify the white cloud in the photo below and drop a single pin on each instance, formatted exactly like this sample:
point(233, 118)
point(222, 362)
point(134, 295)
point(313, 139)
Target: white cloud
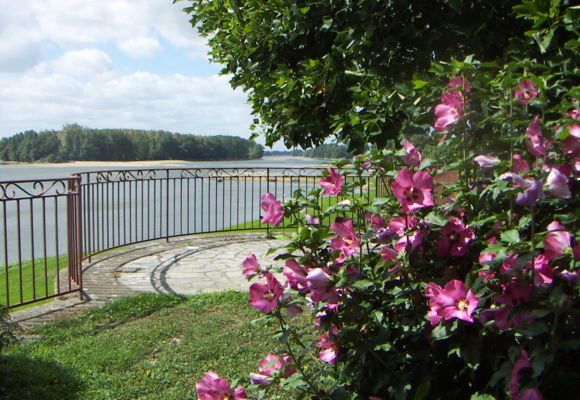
point(81, 23)
point(140, 46)
point(16, 56)
point(55, 69)
point(139, 100)
point(82, 63)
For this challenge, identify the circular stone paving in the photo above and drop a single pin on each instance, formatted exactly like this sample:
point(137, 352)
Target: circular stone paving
point(196, 269)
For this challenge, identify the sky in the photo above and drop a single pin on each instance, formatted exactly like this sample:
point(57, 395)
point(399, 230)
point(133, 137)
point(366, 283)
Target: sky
point(111, 64)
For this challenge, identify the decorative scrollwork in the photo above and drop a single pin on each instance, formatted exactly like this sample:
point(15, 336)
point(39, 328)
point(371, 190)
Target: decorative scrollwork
point(221, 173)
point(299, 172)
point(121, 175)
point(18, 190)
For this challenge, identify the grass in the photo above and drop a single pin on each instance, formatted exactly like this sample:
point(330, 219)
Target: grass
point(144, 347)
point(43, 287)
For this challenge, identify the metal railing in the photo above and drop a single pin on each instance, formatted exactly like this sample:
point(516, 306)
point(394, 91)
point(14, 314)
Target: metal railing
point(45, 222)
point(41, 254)
point(49, 226)
point(130, 206)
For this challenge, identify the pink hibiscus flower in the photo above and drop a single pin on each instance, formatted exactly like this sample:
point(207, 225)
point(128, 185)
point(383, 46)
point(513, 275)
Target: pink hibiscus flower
point(332, 184)
point(535, 139)
point(527, 92)
point(514, 386)
point(558, 184)
point(452, 301)
point(413, 191)
point(321, 286)
point(272, 364)
point(348, 240)
point(389, 254)
point(266, 297)
point(459, 82)
point(543, 273)
point(454, 238)
point(557, 241)
point(329, 350)
point(296, 275)
point(519, 164)
point(375, 220)
point(513, 294)
point(484, 260)
point(413, 157)
point(571, 145)
point(532, 189)
point(273, 212)
point(449, 110)
point(574, 113)
point(409, 241)
point(486, 161)
point(212, 387)
point(251, 266)
point(399, 225)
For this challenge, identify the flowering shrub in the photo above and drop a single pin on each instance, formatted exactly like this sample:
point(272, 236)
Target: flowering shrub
point(456, 291)
point(474, 292)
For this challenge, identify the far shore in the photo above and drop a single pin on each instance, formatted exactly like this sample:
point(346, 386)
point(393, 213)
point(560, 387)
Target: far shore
point(160, 163)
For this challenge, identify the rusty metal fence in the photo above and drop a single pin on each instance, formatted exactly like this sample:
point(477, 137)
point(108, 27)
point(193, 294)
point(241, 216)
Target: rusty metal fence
point(48, 227)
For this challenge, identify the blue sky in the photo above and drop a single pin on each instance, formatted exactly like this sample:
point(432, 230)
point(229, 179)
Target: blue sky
point(111, 64)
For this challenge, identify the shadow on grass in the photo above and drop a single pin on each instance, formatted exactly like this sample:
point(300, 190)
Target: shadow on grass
point(24, 378)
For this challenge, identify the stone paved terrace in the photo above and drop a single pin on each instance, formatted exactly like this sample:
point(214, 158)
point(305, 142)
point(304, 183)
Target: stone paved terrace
point(189, 265)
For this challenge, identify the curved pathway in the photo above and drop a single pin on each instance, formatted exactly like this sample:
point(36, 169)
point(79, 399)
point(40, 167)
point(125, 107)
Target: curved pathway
point(189, 265)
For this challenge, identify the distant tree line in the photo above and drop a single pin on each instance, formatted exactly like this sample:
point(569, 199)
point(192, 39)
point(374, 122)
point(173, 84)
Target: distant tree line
point(77, 143)
point(322, 151)
point(328, 151)
point(287, 153)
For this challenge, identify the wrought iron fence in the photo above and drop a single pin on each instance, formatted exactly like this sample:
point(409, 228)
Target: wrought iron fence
point(50, 226)
point(131, 206)
point(41, 255)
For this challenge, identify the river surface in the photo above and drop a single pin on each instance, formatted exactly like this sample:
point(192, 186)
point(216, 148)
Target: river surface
point(9, 172)
point(117, 213)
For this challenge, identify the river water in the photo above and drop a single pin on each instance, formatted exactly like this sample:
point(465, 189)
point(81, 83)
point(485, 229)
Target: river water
point(9, 172)
point(37, 228)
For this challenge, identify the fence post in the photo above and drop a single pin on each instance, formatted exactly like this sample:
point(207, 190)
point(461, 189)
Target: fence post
point(74, 233)
point(88, 222)
point(167, 206)
point(79, 235)
point(268, 233)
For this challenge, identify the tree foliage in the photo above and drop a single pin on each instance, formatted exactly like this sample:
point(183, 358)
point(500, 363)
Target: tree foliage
point(328, 150)
point(75, 142)
point(464, 288)
point(315, 69)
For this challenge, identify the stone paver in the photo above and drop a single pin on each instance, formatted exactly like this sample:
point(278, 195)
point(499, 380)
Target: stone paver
point(194, 269)
point(189, 265)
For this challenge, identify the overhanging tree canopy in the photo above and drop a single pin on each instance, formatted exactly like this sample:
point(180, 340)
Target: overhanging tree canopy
point(314, 69)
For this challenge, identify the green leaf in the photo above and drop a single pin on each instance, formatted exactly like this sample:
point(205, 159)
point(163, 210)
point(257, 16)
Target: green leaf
point(422, 390)
point(440, 332)
point(511, 236)
point(436, 219)
point(478, 396)
point(380, 201)
point(534, 329)
point(362, 284)
point(418, 84)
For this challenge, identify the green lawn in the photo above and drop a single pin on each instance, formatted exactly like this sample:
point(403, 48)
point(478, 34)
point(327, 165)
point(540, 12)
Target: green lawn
point(144, 347)
point(42, 286)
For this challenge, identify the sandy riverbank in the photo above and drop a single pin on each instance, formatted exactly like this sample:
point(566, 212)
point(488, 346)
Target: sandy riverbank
point(146, 163)
point(160, 163)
